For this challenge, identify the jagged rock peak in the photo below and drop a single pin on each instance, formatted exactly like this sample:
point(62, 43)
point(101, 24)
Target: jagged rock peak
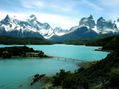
point(101, 19)
point(90, 17)
point(7, 18)
point(89, 21)
point(118, 20)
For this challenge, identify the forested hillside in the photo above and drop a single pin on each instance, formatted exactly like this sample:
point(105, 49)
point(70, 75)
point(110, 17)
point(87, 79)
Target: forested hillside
point(108, 42)
point(28, 40)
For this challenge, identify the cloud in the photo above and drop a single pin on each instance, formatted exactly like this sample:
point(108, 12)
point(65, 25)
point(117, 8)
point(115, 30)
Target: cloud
point(111, 8)
point(110, 2)
point(33, 4)
point(57, 20)
point(63, 5)
point(94, 6)
point(53, 5)
point(57, 7)
point(20, 16)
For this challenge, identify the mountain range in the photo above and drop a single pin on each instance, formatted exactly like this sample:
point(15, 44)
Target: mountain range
point(10, 26)
point(31, 27)
point(89, 28)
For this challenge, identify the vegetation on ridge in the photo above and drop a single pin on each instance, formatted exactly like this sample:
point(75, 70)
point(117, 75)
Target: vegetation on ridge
point(107, 42)
point(103, 74)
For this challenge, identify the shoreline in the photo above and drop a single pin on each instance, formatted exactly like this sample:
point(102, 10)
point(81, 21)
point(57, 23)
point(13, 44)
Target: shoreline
point(104, 50)
point(26, 57)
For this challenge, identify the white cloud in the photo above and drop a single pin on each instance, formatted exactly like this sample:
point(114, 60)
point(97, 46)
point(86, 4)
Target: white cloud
point(20, 16)
point(39, 3)
point(111, 8)
point(110, 2)
point(33, 4)
point(53, 20)
point(52, 5)
point(113, 15)
point(61, 8)
point(94, 6)
point(57, 20)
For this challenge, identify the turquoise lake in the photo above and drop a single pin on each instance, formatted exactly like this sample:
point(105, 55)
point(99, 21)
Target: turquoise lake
point(15, 71)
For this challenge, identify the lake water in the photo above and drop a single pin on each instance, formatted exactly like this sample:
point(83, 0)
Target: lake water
point(15, 71)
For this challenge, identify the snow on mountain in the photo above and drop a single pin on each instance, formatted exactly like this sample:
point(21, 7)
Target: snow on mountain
point(43, 28)
point(106, 26)
point(59, 31)
point(77, 33)
point(30, 25)
point(117, 23)
point(32, 18)
point(88, 28)
point(89, 22)
point(95, 29)
point(8, 23)
point(101, 26)
point(46, 33)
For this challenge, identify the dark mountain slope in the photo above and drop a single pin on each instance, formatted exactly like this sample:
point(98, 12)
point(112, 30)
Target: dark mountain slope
point(78, 33)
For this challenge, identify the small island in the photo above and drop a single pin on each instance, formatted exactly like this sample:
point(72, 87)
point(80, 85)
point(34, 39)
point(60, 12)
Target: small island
point(21, 51)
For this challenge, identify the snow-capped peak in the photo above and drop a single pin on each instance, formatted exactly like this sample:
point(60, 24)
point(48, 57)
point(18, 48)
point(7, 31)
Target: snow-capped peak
point(32, 18)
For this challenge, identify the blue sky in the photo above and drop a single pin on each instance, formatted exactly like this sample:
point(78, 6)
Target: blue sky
point(61, 13)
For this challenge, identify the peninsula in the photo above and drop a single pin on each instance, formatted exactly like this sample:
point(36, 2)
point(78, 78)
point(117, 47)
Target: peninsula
point(21, 51)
